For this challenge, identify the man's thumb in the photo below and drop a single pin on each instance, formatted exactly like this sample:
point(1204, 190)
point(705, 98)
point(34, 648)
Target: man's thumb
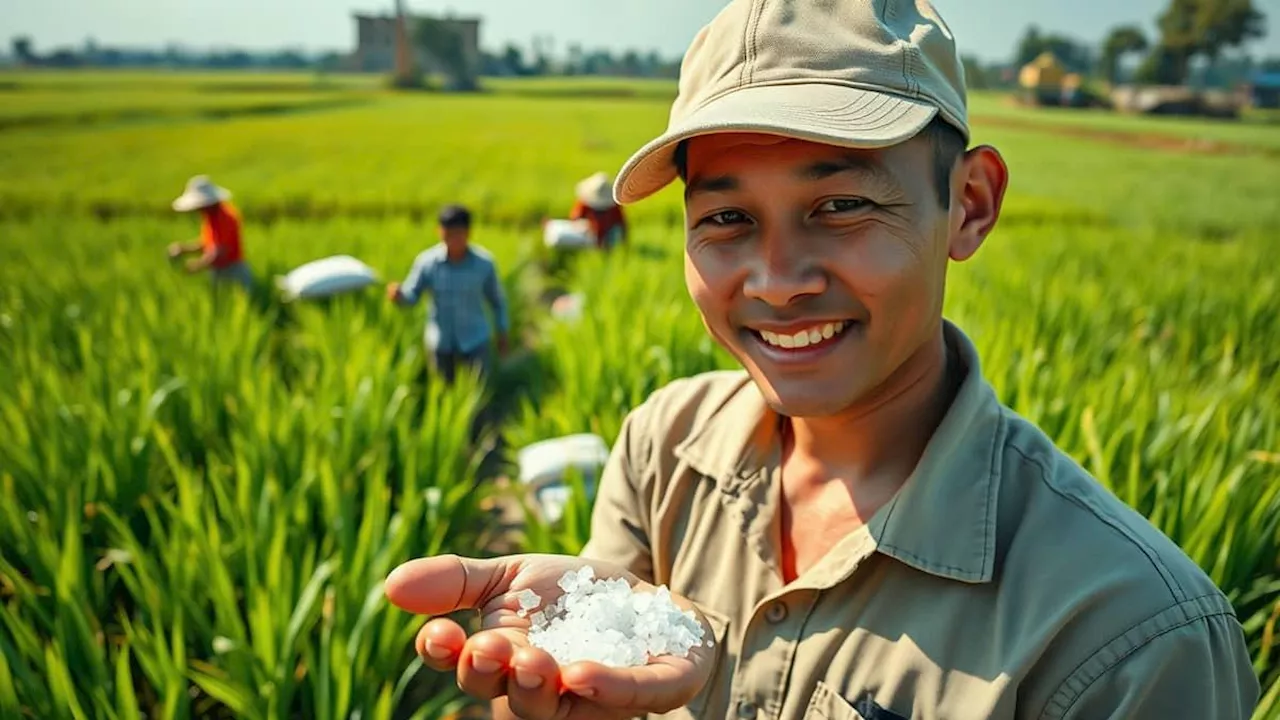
point(445, 583)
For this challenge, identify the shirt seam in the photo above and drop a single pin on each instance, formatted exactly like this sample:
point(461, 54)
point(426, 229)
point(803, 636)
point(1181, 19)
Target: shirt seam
point(1089, 672)
point(1176, 591)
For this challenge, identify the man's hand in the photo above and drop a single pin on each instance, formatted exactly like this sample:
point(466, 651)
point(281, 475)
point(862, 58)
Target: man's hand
point(195, 265)
point(393, 291)
point(175, 250)
point(499, 660)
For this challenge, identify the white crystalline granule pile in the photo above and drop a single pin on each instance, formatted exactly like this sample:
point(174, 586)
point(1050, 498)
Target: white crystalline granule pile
point(606, 622)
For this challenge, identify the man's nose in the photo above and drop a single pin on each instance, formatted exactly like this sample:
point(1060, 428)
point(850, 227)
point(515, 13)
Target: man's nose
point(784, 270)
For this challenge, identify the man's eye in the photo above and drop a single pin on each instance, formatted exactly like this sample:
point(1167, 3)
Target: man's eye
point(843, 205)
point(726, 217)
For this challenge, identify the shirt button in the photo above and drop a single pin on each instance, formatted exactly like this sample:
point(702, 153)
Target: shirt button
point(776, 613)
point(747, 710)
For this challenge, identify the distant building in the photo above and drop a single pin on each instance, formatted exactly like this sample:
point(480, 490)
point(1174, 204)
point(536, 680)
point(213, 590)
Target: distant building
point(376, 43)
point(1046, 82)
point(1264, 90)
point(1042, 80)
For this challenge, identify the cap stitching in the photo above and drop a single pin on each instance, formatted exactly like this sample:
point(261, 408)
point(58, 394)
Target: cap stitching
point(906, 52)
point(746, 45)
point(755, 41)
point(913, 66)
point(866, 87)
point(918, 69)
point(862, 111)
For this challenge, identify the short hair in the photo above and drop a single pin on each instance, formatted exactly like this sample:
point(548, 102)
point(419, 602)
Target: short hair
point(455, 216)
point(948, 145)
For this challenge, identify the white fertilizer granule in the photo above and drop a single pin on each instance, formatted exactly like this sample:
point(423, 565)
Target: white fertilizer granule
point(528, 600)
point(606, 622)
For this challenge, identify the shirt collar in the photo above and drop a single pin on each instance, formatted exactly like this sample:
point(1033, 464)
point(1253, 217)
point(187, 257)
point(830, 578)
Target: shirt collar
point(942, 521)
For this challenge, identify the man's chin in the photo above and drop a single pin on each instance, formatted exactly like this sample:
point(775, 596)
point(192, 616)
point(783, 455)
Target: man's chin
point(804, 407)
point(810, 398)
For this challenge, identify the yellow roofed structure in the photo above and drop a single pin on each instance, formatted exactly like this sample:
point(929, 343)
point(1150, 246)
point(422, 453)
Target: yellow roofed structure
point(1044, 71)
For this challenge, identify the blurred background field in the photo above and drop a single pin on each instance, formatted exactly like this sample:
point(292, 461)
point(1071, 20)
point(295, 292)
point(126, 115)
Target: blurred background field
point(202, 491)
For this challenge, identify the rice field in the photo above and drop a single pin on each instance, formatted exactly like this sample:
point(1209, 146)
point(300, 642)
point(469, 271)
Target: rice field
point(202, 491)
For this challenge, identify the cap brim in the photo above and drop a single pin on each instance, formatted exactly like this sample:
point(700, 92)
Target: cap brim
point(187, 203)
point(833, 114)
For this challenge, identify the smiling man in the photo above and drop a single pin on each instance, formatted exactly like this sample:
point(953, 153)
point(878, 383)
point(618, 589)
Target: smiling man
point(862, 526)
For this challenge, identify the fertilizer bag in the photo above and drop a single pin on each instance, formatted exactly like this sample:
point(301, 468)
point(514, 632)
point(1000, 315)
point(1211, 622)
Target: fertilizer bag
point(327, 277)
point(568, 234)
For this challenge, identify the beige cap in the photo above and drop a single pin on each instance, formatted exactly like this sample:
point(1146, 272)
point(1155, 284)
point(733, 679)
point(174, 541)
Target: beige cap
point(851, 73)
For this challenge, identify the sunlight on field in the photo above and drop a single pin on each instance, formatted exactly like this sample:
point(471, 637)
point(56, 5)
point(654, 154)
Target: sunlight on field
point(204, 490)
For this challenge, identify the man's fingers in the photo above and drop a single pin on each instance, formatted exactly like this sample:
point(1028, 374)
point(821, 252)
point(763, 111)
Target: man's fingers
point(440, 585)
point(533, 686)
point(664, 684)
point(439, 643)
point(485, 662)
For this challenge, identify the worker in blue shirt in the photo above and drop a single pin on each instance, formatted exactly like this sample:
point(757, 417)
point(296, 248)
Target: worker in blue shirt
point(461, 279)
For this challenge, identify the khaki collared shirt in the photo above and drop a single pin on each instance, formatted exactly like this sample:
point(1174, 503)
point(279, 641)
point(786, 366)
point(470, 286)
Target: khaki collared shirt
point(1002, 581)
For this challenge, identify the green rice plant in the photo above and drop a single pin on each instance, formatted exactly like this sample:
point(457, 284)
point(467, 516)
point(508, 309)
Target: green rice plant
point(638, 331)
point(204, 496)
point(203, 491)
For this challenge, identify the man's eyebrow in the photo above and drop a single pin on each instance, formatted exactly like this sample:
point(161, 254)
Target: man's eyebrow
point(718, 183)
point(853, 164)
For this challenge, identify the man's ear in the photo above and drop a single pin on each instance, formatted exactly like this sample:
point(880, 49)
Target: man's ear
point(979, 184)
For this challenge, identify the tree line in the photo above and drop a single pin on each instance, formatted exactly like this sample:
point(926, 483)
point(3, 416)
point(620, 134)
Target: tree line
point(1192, 43)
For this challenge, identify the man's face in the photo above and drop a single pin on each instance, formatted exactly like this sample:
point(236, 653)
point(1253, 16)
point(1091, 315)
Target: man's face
point(820, 268)
point(455, 238)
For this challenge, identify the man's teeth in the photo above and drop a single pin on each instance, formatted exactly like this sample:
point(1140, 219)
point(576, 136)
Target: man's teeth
point(804, 338)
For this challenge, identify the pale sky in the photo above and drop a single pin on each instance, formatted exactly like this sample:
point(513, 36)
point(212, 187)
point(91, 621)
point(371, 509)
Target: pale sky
point(987, 28)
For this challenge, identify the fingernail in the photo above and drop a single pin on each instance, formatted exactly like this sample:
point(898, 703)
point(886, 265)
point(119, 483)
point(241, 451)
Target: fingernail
point(437, 652)
point(585, 692)
point(485, 664)
point(528, 680)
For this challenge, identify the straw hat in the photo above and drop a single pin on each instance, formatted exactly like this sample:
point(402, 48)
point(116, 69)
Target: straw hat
point(596, 191)
point(200, 193)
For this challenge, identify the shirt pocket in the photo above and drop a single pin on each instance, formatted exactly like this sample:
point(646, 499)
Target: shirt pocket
point(719, 623)
point(826, 704)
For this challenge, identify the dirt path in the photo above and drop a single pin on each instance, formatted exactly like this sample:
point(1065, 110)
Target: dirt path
point(1166, 142)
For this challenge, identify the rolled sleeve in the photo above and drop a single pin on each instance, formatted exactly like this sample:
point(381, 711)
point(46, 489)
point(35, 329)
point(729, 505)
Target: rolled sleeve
point(620, 518)
point(416, 282)
point(493, 292)
point(1189, 661)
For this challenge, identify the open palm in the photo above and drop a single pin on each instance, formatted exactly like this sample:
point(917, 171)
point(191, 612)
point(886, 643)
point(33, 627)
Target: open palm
point(499, 660)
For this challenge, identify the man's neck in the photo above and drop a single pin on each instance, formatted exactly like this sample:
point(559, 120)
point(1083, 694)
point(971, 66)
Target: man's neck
point(882, 438)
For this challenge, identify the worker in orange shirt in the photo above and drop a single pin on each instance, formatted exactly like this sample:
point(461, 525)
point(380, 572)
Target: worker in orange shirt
point(219, 242)
point(594, 203)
